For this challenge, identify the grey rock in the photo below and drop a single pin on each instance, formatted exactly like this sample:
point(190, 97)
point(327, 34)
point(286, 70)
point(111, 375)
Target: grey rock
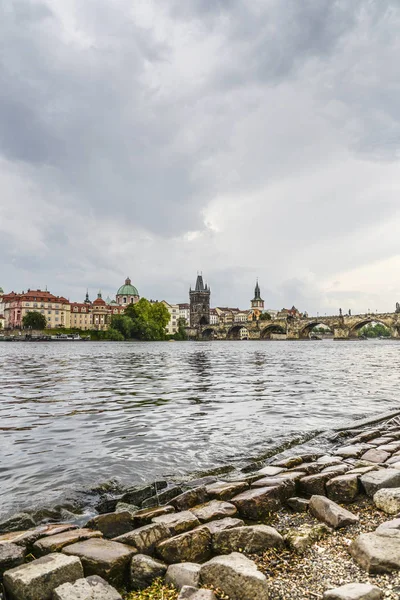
point(236, 575)
point(286, 486)
point(224, 490)
point(191, 546)
point(383, 478)
point(38, 579)
point(145, 516)
point(288, 463)
point(258, 503)
point(352, 451)
point(388, 500)
point(301, 538)
point(290, 476)
point(137, 495)
point(192, 593)
point(112, 524)
point(307, 468)
point(181, 574)
point(362, 470)
point(55, 543)
point(216, 509)
point(344, 488)
point(331, 513)
point(298, 504)
point(124, 507)
point(163, 497)
point(377, 552)
point(17, 522)
point(91, 588)
point(222, 524)
point(146, 538)
point(393, 524)
point(376, 456)
point(379, 441)
point(190, 498)
point(144, 570)
point(270, 471)
point(251, 539)
point(103, 557)
point(328, 460)
point(206, 480)
point(337, 469)
point(314, 484)
point(178, 522)
point(354, 591)
point(11, 556)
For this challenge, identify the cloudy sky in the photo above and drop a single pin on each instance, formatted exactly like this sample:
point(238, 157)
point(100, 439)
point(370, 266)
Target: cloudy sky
point(240, 139)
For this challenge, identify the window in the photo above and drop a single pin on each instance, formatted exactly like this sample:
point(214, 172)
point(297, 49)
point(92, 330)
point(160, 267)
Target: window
point(131, 300)
point(34, 305)
point(124, 300)
point(57, 312)
point(56, 319)
point(26, 303)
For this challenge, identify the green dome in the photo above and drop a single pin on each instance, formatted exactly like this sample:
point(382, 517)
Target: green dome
point(128, 289)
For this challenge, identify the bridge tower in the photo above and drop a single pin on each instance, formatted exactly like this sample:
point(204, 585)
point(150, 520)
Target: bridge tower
point(257, 302)
point(199, 303)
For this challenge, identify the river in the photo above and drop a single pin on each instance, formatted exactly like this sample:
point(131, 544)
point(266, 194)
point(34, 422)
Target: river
point(76, 414)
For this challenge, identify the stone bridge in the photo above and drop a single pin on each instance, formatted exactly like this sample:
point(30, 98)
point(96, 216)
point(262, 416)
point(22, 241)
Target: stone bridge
point(342, 327)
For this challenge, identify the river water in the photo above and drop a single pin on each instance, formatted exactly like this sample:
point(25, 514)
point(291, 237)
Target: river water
point(76, 414)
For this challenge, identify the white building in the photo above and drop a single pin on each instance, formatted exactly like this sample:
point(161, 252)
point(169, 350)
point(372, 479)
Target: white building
point(173, 323)
point(184, 313)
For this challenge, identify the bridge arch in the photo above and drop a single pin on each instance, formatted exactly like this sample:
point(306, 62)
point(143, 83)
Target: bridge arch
point(208, 333)
point(234, 333)
point(367, 321)
point(270, 329)
point(307, 329)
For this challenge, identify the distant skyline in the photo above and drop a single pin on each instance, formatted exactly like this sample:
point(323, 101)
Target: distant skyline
point(242, 140)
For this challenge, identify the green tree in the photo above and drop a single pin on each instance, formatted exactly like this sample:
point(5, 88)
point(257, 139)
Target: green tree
point(181, 333)
point(146, 321)
point(34, 320)
point(265, 316)
point(374, 330)
point(114, 335)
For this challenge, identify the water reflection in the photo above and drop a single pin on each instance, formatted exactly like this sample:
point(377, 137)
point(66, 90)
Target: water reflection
point(72, 415)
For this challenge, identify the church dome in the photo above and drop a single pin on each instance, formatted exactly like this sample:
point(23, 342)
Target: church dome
point(127, 289)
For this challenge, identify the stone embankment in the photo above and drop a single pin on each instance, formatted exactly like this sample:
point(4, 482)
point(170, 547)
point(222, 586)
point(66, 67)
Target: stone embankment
point(306, 526)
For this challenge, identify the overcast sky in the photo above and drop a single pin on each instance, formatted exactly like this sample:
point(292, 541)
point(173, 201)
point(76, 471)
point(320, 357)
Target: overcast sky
point(241, 139)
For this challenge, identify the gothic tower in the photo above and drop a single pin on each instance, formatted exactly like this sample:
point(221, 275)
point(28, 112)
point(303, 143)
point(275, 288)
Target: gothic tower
point(199, 304)
point(257, 301)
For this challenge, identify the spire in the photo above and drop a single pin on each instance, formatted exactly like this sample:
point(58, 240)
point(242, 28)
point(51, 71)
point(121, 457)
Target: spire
point(99, 294)
point(87, 300)
point(128, 281)
point(199, 284)
point(257, 293)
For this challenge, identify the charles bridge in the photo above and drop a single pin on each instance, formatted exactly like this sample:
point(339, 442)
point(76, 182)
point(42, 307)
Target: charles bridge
point(291, 328)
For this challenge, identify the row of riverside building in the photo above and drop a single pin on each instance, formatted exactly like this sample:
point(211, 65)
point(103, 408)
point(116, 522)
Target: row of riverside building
point(97, 315)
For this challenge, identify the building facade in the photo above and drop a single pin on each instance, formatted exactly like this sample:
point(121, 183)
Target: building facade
point(199, 303)
point(184, 313)
point(173, 323)
point(56, 309)
point(127, 294)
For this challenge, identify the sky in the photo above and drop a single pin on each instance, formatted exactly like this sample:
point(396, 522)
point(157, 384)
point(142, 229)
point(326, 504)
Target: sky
point(238, 139)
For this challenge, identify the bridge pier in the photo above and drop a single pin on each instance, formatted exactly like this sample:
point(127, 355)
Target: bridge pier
point(341, 333)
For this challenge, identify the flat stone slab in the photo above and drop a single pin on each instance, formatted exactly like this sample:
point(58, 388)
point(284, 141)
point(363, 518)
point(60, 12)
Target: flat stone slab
point(258, 503)
point(144, 569)
point(55, 543)
point(344, 488)
point(354, 591)
point(376, 456)
point(191, 593)
point(28, 537)
point(222, 524)
point(112, 524)
point(388, 500)
point(354, 451)
point(331, 513)
point(251, 539)
point(377, 552)
point(270, 470)
point(104, 558)
point(38, 579)
point(286, 486)
point(146, 515)
point(383, 478)
point(315, 484)
point(190, 498)
point(11, 556)
point(192, 546)
point(181, 574)
point(224, 490)
point(91, 588)
point(178, 522)
point(298, 504)
point(145, 539)
point(216, 509)
point(236, 575)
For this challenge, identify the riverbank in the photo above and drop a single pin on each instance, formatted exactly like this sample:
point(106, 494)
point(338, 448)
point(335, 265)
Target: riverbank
point(296, 526)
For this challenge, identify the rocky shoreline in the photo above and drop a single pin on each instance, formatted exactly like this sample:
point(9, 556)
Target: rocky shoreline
point(301, 525)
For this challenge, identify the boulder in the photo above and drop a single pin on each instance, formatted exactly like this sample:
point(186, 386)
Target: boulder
point(181, 574)
point(178, 522)
point(377, 552)
point(145, 516)
point(192, 546)
point(137, 495)
point(251, 539)
point(328, 461)
point(391, 447)
point(354, 591)
point(270, 471)
point(111, 524)
point(314, 484)
point(301, 538)
point(29, 537)
point(362, 470)
point(163, 497)
point(55, 543)
point(375, 455)
point(352, 451)
point(388, 500)
point(337, 469)
point(145, 539)
point(286, 486)
point(236, 576)
point(38, 579)
point(376, 480)
point(258, 503)
point(18, 522)
point(124, 507)
point(144, 570)
point(298, 504)
point(190, 498)
point(224, 490)
point(393, 524)
point(11, 556)
point(93, 587)
point(307, 468)
point(329, 512)
point(288, 463)
point(216, 509)
point(379, 441)
point(192, 593)
point(103, 557)
point(344, 488)
point(290, 475)
point(222, 524)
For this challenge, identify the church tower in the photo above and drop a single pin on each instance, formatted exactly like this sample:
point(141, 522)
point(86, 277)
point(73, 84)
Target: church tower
point(257, 301)
point(199, 303)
